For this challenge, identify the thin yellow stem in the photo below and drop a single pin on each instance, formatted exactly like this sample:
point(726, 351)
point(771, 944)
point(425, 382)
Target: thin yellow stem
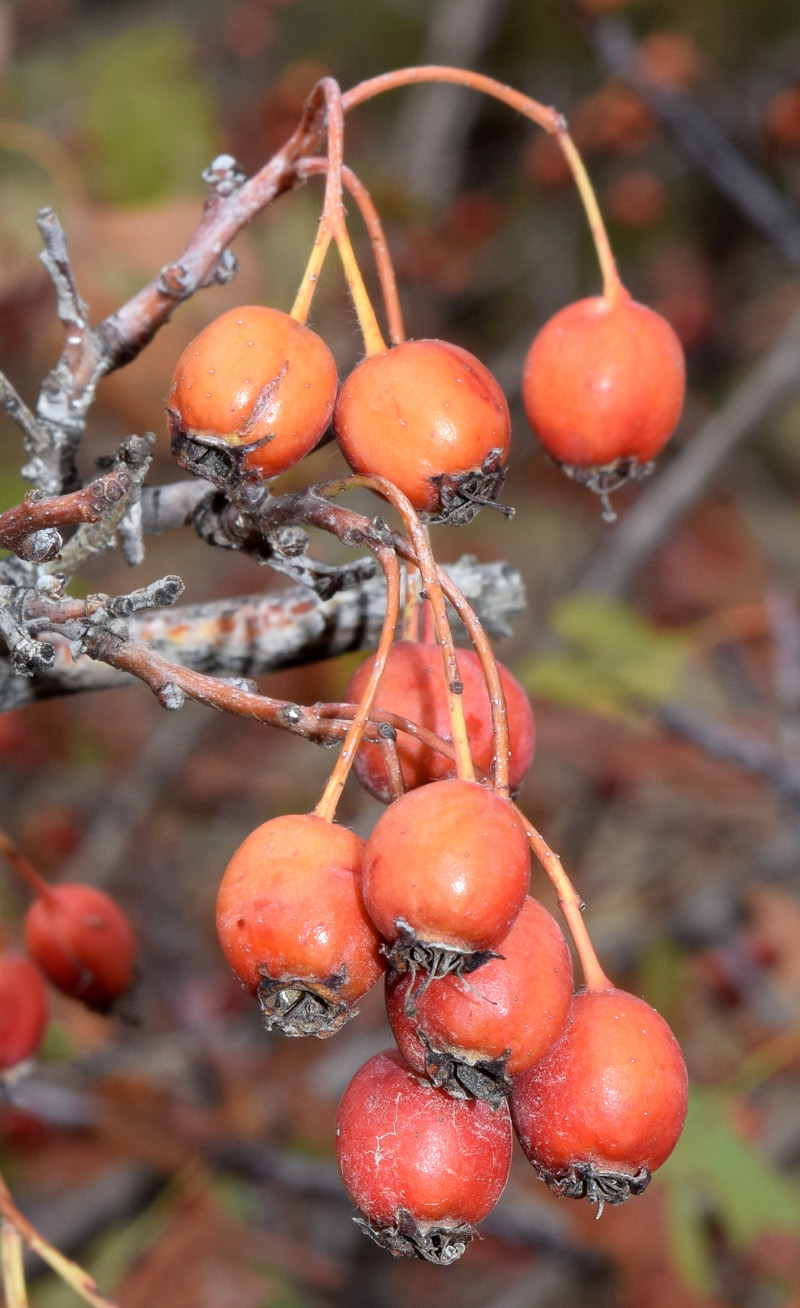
point(308, 285)
point(571, 905)
point(326, 808)
point(81, 1282)
point(377, 236)
point(545, 116)
point(426, 563)
point(371, 332)
point(15, 1292)
point(612, 286)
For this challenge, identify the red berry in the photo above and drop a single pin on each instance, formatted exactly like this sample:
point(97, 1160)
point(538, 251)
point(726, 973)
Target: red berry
point(445, 874)
point(254, 389)
point(83, 942)
point(605, 1106)
point(23, 1008)
point(292, 924)
point(470, 1035)
point(423, 1168)
point(604, 382)
point(431, 418)
point(414, 686)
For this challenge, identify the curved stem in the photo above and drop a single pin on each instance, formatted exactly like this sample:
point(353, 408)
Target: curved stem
point(571, 905)
point(377, 236)
point(433, 593)
point(545, 116)
point(332, 226)
point(41, 888)
point(326, 808)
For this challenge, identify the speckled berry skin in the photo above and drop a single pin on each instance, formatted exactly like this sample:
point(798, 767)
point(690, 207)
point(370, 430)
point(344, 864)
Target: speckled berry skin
point(411, 1158)
point(290, 906)
point(23, 1008)
point(609, 1095)
point(451, 860)
point(511, 1010)
point(421, 411)
point(604, 380)
point(255, 375)
point(414, 686)
point(83, 942)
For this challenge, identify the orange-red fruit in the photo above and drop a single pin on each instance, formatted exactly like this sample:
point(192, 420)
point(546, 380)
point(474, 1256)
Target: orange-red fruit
point(430, 418)
point(470, 1034)
point(447, 865)
point(83, 942)
point(605, 1106)
point(23, 1008)
point(423, 1168)
point(290, 912)
point(414, 686)
point(603, 381)
point(255, 377)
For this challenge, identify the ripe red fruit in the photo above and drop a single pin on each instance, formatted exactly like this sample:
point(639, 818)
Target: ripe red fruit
point(445, 874)
point(83, 942)
point(423, 1168)
point(605, 1106)
point(414, 686)
point(430, 418)
point(470, 1035)
point(253, 392)
point(292, 924)
point(603, 384)
point(23, 1008)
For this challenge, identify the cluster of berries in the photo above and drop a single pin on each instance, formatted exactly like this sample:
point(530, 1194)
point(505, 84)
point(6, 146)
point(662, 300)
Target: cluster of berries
point(78, 938)
point(603, 388)
point(478, 981)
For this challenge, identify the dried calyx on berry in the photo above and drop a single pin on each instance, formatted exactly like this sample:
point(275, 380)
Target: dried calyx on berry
point(445, 874)
point(292, 924)
point(472, 1035)
point(251, 395)
point(429, 417)
point(605, 1106)
point(389, 1128)
point(603, 388)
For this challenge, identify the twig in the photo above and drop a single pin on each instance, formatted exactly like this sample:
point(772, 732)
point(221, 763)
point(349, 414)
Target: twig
point(82, 1283)
point(670, 495)
point(14, 1289)
point(29, 528)
point(254, 634)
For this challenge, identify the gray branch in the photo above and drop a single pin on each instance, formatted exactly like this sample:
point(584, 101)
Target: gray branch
point(251, 635)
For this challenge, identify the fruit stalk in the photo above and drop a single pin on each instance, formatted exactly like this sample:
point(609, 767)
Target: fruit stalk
point(433, 592)
point(326, 808)
point(546, 117)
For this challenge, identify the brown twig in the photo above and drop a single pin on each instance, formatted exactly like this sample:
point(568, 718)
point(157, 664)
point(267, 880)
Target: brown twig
point(21, 526)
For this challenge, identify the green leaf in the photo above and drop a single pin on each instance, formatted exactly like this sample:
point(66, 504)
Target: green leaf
point(148, 115)
point(717, 1173)
point(614, 658)
point(691, 1246)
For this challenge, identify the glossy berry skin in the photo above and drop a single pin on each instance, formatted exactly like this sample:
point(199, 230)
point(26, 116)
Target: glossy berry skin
point(290, 912)
point(422, 1168)
point(449, 864)
point(429, 417)
point(83, 942)
point(605, 1106)
point(255, 377)
point(469, 1034)
point(414, 686)
point(23, 1008)
point(604, 380)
